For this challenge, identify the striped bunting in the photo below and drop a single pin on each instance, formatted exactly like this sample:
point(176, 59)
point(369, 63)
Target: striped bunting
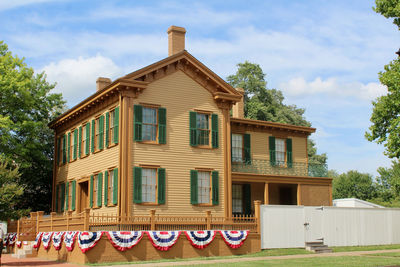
point(12, 237)
point(46, 239)
point(19, 244)
point(88, 240)
point(163, 240)
point(38, 238)
point(57, 240)
point(124, 240)
point(6, 239)
point(69, 240)
point(200, 239)
point(234, 239)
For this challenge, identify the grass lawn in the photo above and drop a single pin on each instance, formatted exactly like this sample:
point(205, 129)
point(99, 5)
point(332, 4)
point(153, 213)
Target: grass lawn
point(365, 248)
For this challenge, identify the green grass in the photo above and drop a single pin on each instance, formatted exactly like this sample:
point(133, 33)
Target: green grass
point(387, 254)
point(365, 248)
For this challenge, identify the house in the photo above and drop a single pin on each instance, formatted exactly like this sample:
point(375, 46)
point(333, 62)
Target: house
point(172, 137)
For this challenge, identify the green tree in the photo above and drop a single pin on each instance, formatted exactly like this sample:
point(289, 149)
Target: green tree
point(26, 107)
point(261, 103)
point(389, 9)
point(353, 184)
point(10, 190)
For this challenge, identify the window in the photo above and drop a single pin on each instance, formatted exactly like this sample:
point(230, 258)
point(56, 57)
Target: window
point(97, 134)
point(112, 187)
point(203, 129)
point(237, 198)
point(237, 148)
point(280, 151)
point(95, 190)
point(149, 128)
point(71, 145)
point(69, 192)
point(203, 187)
point(149, 185)
point(111, 126)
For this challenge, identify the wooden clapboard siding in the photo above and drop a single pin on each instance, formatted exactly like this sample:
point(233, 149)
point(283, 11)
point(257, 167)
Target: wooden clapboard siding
point(179, 94)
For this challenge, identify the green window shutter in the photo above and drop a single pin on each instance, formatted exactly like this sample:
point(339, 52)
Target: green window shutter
point(214, 130)
point(69, 147)
point(115, 186)
point(75, 143)
point(116, 125)
point(106, 188)
point(64, 155)
point(161, 186)
point(107, 129)
point(215, 188)
point(62, 197)
point(193, 187)
point(247, 148)
point(57, 195)
point(247, 198)
point(91, 191)
point(87, 138)
point(59, 150)
point(162, 125)
point(73, 200)
point(289, 152)
point(66, 195)
point(99, 189)
point(80, 142)
point(193, 128)
point(101, 132)
point(137, 121)
point(137, 185)
point(93, 134)
point(272, 156)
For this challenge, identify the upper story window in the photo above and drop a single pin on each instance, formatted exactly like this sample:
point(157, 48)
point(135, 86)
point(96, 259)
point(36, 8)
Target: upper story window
point(96, 137)
point(237, 147)
point(203, 129)
point(280, 151)
point(150, 124)
point(111, 126)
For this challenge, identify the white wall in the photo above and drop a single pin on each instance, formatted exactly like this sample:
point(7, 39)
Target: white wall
point(283, 226)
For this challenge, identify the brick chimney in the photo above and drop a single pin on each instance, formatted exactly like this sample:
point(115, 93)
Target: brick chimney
point(238, 108)
point(176, 40)
point(101, 83)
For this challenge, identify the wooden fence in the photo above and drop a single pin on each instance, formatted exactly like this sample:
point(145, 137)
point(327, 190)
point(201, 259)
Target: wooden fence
point(86, 221)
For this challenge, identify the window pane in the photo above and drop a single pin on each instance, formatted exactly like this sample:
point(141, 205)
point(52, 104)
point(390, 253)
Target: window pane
point(202, 121)
point(149, 185)
point(237, 198)
point(203, 187)
point(149, 132)
point(149, 115)
point(237, 147)
point(280, 151)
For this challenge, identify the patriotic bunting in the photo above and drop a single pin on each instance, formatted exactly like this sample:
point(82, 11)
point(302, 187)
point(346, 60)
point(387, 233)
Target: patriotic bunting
point(88, 240)
point(163, 240)
point(234, 239)
point(38, 238)
point(6, 239)
point(19, 244)
point(12, 237)
point(57, 240)
point(200, 239)
point(124, 240)
point(46, 239)
point(69, 240)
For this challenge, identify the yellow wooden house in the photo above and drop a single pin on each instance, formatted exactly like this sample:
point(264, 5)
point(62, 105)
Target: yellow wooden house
point(172, 137)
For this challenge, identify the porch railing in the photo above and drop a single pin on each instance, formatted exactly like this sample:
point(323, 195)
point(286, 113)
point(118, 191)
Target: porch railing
point(260, 166)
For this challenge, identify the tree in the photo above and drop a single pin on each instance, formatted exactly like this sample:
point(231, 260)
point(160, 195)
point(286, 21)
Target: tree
point(265, 104)
point(353, 184)
point(10, 190)
point(389, 9)
point(26, 107)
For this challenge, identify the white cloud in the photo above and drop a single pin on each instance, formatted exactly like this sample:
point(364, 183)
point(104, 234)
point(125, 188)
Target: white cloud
point(76, 78)
point(331, 86)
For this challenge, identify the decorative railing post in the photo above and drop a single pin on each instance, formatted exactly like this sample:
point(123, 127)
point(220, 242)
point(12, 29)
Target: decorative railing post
point(52, 214)
point(152, 220)
point(208, 219)
point(38, 219)
point(86, 219)
point(69, 213)
point(18, 225)
point(257, 214)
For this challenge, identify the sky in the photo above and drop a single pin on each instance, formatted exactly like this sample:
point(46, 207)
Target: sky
point(324, 55)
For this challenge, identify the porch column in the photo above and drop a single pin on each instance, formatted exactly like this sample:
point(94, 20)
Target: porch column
point(299, 195)
point(266, 193)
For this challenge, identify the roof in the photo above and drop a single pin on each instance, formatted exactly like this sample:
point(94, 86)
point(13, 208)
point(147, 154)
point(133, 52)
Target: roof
point(356, 200)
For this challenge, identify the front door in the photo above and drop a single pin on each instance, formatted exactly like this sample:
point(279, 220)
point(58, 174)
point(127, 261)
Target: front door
point(83, 196)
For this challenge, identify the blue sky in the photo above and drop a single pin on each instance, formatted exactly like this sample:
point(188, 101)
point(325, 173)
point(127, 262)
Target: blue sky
point(323, 55)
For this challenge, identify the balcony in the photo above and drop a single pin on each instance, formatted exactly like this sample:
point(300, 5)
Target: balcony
point(260, 166)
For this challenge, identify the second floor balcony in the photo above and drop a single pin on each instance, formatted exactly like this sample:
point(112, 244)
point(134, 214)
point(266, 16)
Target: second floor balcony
point(262, 166)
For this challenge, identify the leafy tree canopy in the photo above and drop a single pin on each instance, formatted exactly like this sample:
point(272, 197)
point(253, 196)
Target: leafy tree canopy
point(26, 107)
point(354, 184)
point(389, 9)
point(261, 103)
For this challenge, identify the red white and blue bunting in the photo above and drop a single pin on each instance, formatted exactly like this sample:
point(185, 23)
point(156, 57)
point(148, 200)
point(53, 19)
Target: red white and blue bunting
point(200, 239)
point(69, 240)
point(12, 237)
point(57, 240)
point(46, 239)
point(234, 239)
point(38, 238)
point(124, 240)
point(19, 244)
point(163, 240)
point(88, 240)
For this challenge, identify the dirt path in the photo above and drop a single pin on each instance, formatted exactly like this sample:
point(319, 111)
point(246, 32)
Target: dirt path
point(7, 260)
